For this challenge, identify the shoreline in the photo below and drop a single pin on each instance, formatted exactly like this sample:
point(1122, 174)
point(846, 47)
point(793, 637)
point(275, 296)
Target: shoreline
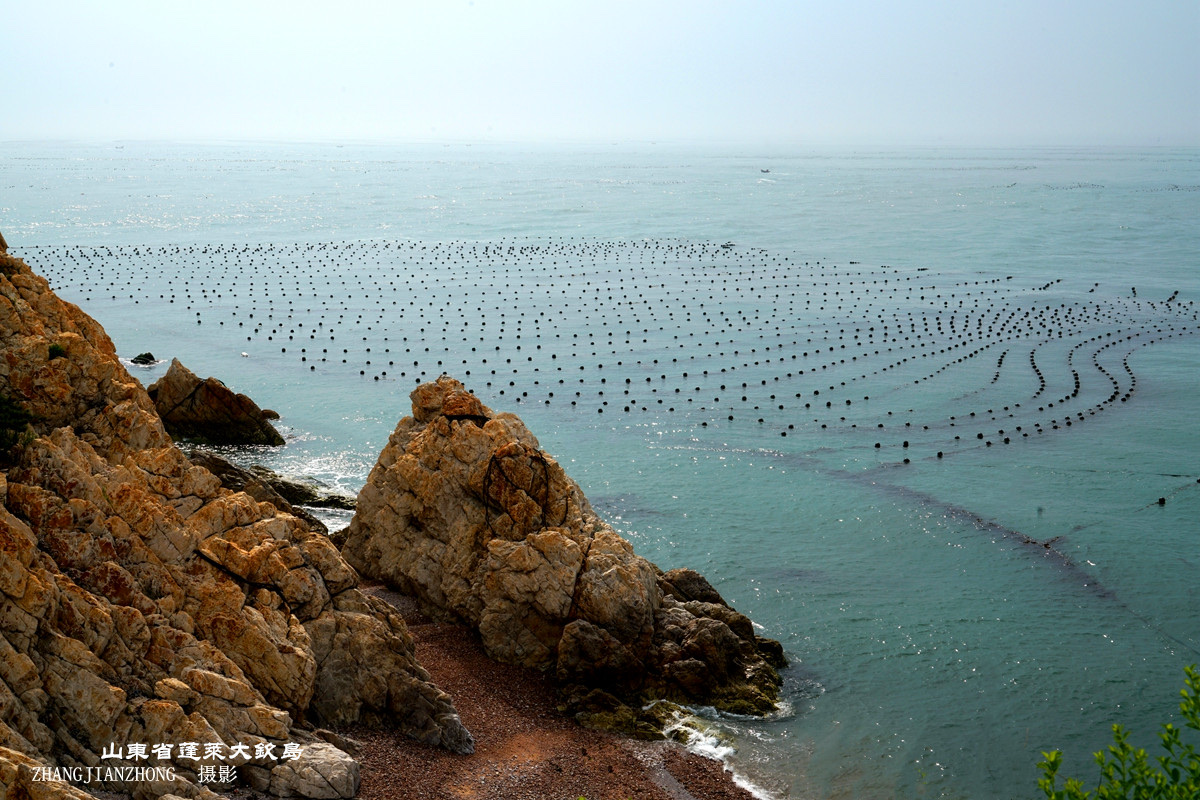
point(524, 748)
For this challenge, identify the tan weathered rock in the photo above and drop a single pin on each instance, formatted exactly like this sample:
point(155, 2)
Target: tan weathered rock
point(141, 602)
point(267, 486)
point(208, 411)
point(26, 777)
point(323, 772)
point(466, 513)
point(88, 390)
point(237, 479)
point(528, 591)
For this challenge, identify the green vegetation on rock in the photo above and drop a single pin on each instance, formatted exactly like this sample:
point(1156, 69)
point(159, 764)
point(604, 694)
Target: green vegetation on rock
point(1127, 772)
point(14, 422)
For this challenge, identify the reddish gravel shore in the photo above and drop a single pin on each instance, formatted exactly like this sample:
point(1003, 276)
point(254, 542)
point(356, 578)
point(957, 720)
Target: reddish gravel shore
point(524, 749)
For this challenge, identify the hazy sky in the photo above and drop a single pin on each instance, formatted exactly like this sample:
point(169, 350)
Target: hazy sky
point(839, 71)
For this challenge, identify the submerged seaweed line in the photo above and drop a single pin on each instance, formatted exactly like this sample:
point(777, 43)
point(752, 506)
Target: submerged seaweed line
point(1069, 567)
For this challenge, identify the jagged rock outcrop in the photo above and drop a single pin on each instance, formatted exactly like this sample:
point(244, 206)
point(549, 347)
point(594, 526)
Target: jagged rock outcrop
point(208, 411)
point(303, 492)
point(238, 479)
point(465, 512)
point(267, 486)
point(142, 603)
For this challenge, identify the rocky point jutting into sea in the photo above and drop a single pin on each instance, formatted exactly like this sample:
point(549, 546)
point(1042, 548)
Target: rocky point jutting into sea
point(144, 607)
point(466, 513)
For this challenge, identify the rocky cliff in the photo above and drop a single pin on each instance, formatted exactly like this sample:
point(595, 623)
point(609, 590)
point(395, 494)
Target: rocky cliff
point(152, 617)
point(143, 604)
point(464, 511)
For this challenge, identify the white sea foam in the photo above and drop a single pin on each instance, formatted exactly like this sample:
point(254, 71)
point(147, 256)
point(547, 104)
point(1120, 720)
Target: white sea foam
point(701, 733)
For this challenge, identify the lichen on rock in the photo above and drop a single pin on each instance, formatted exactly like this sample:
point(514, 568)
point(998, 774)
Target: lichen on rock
point(465, 512)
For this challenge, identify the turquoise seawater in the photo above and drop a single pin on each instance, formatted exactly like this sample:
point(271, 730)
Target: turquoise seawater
point(912, 411)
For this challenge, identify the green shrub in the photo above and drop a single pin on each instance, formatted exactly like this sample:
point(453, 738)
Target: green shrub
point(14, 420)
point(1126, 772)
point(56, 351)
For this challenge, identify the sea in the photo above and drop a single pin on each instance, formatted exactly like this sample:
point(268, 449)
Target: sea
point(927, 415)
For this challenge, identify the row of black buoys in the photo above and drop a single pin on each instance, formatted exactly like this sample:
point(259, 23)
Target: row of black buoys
point(654, 327)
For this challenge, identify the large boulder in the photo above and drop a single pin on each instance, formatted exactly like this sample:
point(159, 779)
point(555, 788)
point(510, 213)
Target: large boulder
point(208, 411)
point(143, 603)
point(465, 512)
